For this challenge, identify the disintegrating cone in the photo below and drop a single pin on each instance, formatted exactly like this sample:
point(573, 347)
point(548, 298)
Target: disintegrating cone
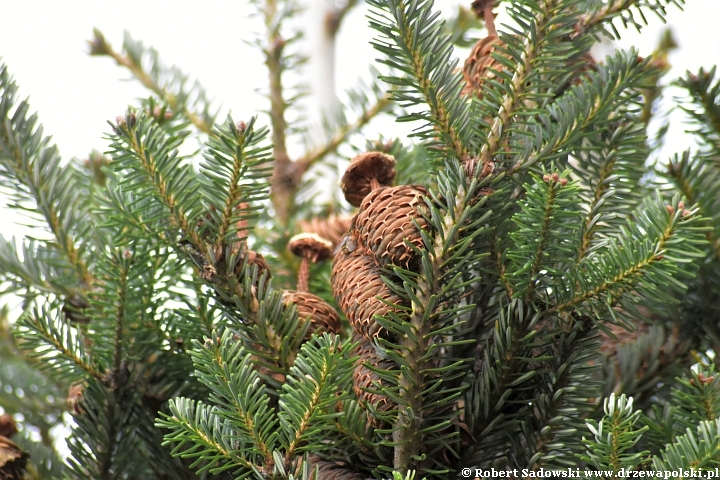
point(609, 345)
point(8, 427)
point(254, 258)
point(367, 172)
point(310, 246)
point(361, 292)
point(323, 317)
point(387, 218)
point(331, 228)
point(366, 382)
point(12, 460)
point(332, 471)
point(480, 65)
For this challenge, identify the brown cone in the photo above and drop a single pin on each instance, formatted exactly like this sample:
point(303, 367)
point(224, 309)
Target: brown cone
point(365, 381)
point(331, 228)
point(332, 471)
point(12, 460)
point(323, 317)
point(8, 427)
point(480, 64)
point(366, 172)
point(385, 221)
point(360, 291)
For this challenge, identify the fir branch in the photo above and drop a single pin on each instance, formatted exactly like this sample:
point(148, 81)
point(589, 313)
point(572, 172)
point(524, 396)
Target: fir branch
point(37, 269)
point(224, 367)
point(103, 444)
point(532, 72)
point(408, 31)
point(32, 172)
point(597, 15)
point(426, 385)
point(196, 424)
point(142, 148)
point(615, 436)
point(236, 165)
point(48, 334)
point(697, 180)
point(592, 103)
point(645, 258)
point(168, 83)
point(287, 174)
point(610, 165)
point(698, 449)
point(697, 399)
point(308, 398)
point(344, 132)
point(547, 227)
point(560, 399)
point(703, 108)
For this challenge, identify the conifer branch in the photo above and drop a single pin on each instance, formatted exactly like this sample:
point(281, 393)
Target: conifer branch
point(695, 180)
point(45, 332)
point(606, 12)
point(343, 133)
point(408, 31)
point(698, 449)
point(591, 103)
point(28, 158)
point(132, 60)
point(634, 259)
point(141, 146)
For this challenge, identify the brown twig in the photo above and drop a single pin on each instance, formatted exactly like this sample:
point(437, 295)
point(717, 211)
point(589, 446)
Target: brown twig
point(99, 46)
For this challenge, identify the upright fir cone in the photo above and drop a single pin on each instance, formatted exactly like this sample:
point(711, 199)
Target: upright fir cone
point(388, 218)
point(311, 248)
point(366, 382)
point(328, 470)
point(359, 289)
point(480, 66)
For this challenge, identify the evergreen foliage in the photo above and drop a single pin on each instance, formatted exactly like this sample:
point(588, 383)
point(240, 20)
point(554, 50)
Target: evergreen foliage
point(559, 311)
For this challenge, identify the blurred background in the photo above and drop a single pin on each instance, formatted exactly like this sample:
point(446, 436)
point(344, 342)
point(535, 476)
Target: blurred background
point(44, 45)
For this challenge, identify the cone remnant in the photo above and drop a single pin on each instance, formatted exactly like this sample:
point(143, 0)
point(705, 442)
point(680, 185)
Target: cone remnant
point(366, 382)
point(367, 172)
point(322, 317)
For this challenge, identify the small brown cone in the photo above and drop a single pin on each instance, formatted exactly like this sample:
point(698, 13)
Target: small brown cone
point(361, 292)
point(367, 172)
point(331, 228)
point(332, 471)
point(479, 66)
point(8, 427)
point(366, 382)
point(387, 219)
point(12, 460)
point(323, 317)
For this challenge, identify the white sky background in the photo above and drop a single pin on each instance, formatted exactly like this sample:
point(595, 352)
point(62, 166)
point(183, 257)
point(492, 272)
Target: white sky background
point(44, 45)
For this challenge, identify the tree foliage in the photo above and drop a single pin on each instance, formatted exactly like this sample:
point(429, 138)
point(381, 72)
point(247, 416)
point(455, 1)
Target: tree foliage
point(559, 310)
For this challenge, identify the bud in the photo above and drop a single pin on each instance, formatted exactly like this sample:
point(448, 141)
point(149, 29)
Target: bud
point(563, 181)
point(546, 178)
point(705, 380)
point(98, 45)
point(681, 205)
point(555, 177)
point(670, 209)
point(241, 127)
